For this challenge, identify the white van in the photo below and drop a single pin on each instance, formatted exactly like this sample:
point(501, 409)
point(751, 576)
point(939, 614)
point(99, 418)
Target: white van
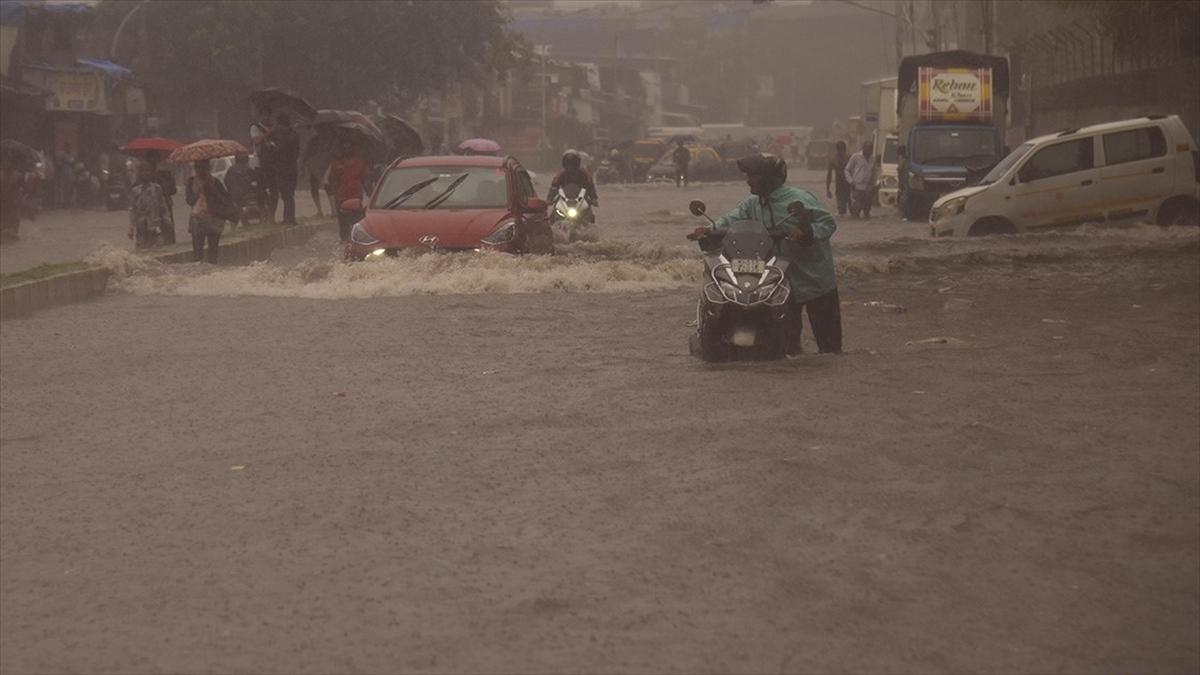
point(1139, 170)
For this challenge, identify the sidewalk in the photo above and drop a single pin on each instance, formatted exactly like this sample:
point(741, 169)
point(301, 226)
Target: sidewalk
point(65, 236)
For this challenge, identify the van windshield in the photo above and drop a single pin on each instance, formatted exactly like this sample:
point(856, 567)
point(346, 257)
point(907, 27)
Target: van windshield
point(1005, 164)
point(956, 146)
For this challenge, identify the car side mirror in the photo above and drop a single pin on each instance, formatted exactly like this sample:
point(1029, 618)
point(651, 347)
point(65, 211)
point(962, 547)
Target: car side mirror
point(352, 205)
point(535, 204)
point(697, 207)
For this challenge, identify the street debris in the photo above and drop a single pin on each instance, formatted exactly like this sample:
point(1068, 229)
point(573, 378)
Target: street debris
point(887, 307)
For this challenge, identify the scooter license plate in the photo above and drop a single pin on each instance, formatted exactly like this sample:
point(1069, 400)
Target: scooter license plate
point(748, 266)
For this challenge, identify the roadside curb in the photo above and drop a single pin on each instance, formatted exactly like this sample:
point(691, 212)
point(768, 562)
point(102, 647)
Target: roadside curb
point(61, 289)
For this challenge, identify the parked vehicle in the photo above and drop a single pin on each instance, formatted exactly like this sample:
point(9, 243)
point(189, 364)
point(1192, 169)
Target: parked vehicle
point(1143, 169)
point(645, 153)
point(743, 306)
point(705, 165)
point(952, 109)
point(457, 203)
point(889, 171)
point(572, 212)
point(115, 183)
point(817, 153)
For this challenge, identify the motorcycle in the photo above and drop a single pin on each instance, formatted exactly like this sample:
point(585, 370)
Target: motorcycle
point(572, 212)
point(743, 312)
point(607, 172)
point(116, 185)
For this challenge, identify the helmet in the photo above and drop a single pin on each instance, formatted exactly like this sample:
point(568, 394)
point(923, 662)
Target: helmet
point(571, 159)
point(771, 167)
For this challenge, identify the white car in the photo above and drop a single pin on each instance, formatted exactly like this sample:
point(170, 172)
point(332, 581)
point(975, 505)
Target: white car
point(1143, 169)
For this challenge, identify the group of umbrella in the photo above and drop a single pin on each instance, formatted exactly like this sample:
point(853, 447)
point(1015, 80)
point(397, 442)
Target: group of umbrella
point(376, 138)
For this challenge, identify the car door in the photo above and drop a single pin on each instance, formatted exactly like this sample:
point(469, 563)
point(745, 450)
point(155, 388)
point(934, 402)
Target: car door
point(1058, 186)
point(1136, 172)
point(535, 225)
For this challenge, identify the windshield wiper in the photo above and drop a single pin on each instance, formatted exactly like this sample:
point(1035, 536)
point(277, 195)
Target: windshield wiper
point(449, 189)
point(403, 196)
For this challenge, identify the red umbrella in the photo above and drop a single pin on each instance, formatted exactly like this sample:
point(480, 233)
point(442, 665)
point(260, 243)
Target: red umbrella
point(207, 149)
point(481, 146)
point(153, 144)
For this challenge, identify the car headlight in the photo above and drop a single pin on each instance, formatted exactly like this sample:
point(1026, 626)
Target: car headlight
point(951, 207)
point(915, 182)
point(503, 233)
point(359, 235)
point(890, 181)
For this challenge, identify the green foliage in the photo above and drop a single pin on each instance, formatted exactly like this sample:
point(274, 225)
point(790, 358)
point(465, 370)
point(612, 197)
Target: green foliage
point(337, 54)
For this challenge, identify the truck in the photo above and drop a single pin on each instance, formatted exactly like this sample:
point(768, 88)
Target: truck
point(879, 103)
point(952, 110)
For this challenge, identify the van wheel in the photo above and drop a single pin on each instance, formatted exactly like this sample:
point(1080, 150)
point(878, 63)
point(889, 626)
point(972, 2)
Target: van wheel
point(987, 226)
point(1179, 211)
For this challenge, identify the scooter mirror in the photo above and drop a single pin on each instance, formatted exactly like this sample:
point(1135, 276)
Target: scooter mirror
point(697, 207)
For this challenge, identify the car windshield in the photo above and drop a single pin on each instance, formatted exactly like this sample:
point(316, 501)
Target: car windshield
point(482, 188)
point(932, 145)
point(890, 146)
point(1005, 164)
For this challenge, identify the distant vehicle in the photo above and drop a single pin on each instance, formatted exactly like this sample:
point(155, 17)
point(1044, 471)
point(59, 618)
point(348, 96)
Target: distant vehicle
point(457, 203)
point(953, 111)
point(706, 164)
point(889, 171)
point(817, 153)
point(645, 153)
point(1139, 169)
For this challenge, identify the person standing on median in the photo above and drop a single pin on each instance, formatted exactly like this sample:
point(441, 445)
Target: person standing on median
point(346, 177)
point(149, 216)
point(211, 207)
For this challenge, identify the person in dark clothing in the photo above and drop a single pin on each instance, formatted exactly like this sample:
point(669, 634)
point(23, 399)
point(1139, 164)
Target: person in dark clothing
point(283, 169)
point(239, 181)
point(837, 167)
point(211, 206)
point(682, 157)
point(573, 173)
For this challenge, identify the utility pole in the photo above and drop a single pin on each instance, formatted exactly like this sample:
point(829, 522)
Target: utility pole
point(543, 51)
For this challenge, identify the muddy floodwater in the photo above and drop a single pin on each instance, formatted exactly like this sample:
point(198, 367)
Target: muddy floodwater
point(481, 463)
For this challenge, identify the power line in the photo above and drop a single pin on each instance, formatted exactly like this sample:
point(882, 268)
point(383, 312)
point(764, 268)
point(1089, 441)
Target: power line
point(852, 3)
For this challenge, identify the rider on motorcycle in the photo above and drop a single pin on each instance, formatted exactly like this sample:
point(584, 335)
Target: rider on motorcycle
point(573, 172)
point(806, 246)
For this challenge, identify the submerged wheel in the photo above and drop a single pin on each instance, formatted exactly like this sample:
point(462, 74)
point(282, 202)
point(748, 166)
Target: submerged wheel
point(1179, 211)
point(987, 226)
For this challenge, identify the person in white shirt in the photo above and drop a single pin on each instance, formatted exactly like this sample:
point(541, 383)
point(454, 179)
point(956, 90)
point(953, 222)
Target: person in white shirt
point(863, 174)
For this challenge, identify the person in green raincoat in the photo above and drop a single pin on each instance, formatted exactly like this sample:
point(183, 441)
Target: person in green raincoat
point(811, 275)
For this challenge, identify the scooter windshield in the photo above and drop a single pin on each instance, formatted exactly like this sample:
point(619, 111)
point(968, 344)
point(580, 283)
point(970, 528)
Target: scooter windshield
point(571, 191)
point(747, 239)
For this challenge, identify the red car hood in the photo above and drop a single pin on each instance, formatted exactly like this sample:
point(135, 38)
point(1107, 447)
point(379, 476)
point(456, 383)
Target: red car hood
point(454, 228)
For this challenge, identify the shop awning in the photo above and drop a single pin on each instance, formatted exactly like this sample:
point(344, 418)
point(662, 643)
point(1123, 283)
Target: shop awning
point(107, 67)
point(12, 12)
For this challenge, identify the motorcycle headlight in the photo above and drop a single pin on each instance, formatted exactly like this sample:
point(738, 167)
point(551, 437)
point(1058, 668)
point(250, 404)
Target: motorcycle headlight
point(359, 235)
point(915, 182)
point(503, 233)
point(572, 212)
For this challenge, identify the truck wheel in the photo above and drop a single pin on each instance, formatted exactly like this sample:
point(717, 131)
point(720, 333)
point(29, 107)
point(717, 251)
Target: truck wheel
point(987, 226)
point(1179, 211)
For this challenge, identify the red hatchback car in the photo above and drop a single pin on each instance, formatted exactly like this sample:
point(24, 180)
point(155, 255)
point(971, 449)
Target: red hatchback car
point(451, 203)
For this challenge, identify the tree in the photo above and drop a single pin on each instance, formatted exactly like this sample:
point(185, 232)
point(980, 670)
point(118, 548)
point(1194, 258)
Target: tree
point(336, 54)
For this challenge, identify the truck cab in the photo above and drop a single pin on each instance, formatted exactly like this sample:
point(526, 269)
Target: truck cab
point(952, 110)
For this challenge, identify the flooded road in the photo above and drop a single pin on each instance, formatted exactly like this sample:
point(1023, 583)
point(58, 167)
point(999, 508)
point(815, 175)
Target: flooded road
point(466, 463)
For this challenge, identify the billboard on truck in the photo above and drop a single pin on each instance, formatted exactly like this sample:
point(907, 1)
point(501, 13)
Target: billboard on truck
point(908, 90)
point(954, 94)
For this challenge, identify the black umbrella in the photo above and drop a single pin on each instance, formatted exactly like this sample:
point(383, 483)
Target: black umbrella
point(403, 137)
point(282, 99)
point(19, 155)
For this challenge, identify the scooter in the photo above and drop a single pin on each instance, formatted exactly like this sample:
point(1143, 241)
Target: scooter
point(743, 312)
point(572, 211)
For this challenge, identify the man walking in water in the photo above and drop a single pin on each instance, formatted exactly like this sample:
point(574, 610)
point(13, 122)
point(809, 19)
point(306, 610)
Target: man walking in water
point(863, 173)
point(836, 172)
point(681, 157)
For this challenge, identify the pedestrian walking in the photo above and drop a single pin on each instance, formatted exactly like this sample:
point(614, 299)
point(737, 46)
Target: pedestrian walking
point(682, 157)
point(239, 181)
point(149, 215)
point(863, 174)
point(346, 177)
point(211, 207)
point(835, 172)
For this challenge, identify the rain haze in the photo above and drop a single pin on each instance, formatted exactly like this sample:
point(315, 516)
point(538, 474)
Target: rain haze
point(730, 336)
